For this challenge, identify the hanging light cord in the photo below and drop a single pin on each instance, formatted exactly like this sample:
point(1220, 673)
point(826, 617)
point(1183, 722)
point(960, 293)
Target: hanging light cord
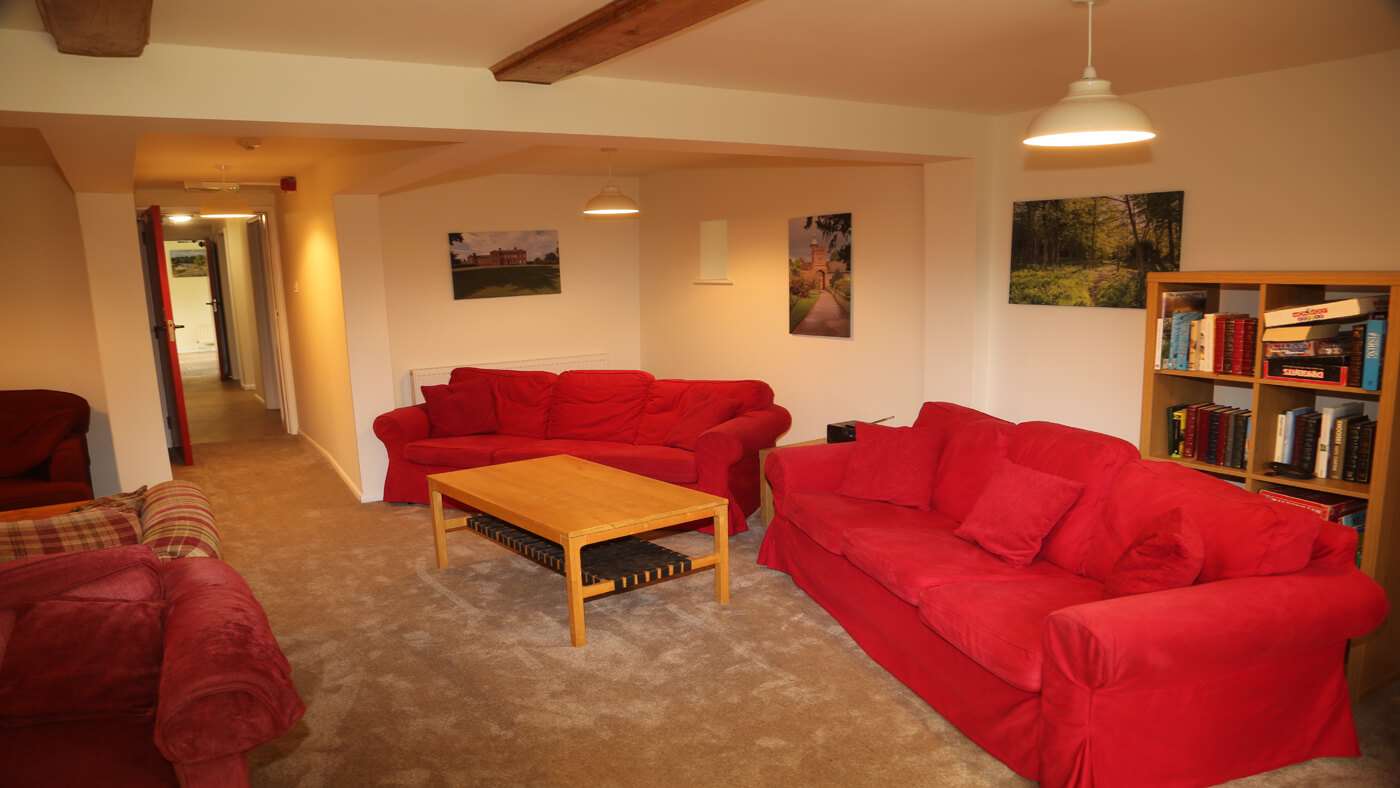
point(1089, 72)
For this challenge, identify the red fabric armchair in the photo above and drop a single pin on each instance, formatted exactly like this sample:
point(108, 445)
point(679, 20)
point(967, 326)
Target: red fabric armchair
point(118, 669)
point(43, 448)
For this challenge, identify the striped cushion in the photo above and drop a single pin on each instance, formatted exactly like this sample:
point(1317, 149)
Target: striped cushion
point(86, 530)
point(179, 522)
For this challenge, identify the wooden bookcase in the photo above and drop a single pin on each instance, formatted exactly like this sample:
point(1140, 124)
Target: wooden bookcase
point(1374, 660)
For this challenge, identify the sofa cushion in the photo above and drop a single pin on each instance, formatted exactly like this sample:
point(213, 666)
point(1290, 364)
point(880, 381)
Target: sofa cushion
point(599, 405)
point(1168, 553)
point(1247, 536)
point(179, 521)
point(466, 407)
point(659, 462)
point(28, 439)
point(80, 659)
point(1000, 625)
point(1017, 510)
point(662, 410)
point(522, 398)
point(92, 529)
point(827, 516)
point(466, 451)
point(895, 464)
point(131, 573)
point(907, 560)
point(971, 456)
point(1090, 458)
point(699, 414)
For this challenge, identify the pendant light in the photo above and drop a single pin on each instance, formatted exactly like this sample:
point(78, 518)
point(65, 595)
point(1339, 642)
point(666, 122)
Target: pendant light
point(611, 201)
point(227, 205)
point(1091, 114)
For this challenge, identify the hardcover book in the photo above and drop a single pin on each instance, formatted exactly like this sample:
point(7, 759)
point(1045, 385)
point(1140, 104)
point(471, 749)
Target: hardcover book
point(1371, 356)
point(1325, 439)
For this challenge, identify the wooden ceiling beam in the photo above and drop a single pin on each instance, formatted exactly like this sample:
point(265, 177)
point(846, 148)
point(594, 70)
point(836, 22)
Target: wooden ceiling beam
point(98, 28)
point(616, 28)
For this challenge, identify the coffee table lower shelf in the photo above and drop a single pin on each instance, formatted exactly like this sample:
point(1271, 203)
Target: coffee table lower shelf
point(618, 564)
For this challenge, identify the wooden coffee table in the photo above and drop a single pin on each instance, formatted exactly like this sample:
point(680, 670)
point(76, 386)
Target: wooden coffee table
point(573, 503)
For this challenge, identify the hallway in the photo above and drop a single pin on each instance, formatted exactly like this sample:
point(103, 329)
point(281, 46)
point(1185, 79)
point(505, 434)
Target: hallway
point(221, 411)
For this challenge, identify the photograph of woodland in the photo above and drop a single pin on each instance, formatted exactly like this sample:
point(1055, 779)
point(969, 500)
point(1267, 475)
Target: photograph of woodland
point(507, 263)
point(819, 275)
point(1093, 251)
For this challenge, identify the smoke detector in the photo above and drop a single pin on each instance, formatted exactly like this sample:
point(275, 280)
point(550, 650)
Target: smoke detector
point(249, 143)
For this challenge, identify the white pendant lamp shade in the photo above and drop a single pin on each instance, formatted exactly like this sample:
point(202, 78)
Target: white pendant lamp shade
point(227, 204)
point(611, 201)
point(1091, 114)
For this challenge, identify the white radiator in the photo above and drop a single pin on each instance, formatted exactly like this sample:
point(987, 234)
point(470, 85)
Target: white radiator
point(433, 376)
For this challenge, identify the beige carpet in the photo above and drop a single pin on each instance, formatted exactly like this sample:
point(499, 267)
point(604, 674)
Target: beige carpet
point(415, 676)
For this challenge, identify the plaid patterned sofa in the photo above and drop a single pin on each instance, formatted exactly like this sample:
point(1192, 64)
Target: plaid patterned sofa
point(174, 519)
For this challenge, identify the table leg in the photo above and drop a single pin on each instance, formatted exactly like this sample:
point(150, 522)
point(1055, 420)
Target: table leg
point(573, 578)
point(722, 554)
point(439, 527)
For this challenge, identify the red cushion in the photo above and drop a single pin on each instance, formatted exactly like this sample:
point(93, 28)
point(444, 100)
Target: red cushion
point(599, 405)
point(662, 411)
point(908, 560)
point(1167, 554)
point(80, 659)
point(463, 451)
point(699, 414)
point(1018, 508)
point(522, 398)
point(1001, 625)
point(462, 408)
point(28, 439)
point(969, 459)
point(827, 516)
point(895, 464)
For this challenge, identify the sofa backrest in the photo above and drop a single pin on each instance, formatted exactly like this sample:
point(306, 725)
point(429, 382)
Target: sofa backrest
point(1243, 534)
point(1090, 458)
point(522, 398)
point(667, 402)
point(975, 446)
point(600, 405)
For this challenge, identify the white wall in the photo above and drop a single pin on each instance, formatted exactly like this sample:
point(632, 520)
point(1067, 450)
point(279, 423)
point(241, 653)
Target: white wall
point(741, 331)
point(1290, 170)
point(596, 312)
point(46, 305)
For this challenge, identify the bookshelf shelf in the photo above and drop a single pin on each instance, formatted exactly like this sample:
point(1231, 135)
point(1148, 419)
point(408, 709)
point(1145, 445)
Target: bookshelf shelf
point(1371, 661)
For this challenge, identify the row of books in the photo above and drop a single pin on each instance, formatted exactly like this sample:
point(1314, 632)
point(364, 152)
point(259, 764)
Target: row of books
point(1209, 433)
point(1297, 343)
point(1350, 512)
point(1334, 442)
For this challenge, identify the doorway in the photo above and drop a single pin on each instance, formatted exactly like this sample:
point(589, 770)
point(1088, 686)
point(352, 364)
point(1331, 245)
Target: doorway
point(228, 330)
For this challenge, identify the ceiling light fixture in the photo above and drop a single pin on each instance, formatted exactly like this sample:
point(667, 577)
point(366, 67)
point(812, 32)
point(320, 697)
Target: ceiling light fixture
point(179, 218)
point(1091, 114)
point(611, 201)
point(226, 205)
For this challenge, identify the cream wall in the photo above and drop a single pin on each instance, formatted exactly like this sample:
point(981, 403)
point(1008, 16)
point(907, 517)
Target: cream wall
point(741, 331)
point(597, 310)
point(46, 305)
point(1290, 170)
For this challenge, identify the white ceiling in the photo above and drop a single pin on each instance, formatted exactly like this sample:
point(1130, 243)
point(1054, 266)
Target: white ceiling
point(980, 56)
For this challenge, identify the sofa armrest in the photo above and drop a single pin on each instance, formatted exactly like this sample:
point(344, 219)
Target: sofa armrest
point(225, 686)
point(69, 461)
point(400, 427)
point(742, 436)
point(816, 468)
point(1227, 625)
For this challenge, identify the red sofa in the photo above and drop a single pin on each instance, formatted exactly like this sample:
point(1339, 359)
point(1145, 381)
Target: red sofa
point(1086, 616)
point(43, 448)
point(701, 434)
point(118, 669)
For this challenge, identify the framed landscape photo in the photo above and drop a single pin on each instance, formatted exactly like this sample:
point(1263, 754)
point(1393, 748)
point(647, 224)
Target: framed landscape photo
point(1093, 251)
point(504, 263)
point(188, 262)
point(819, 275)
